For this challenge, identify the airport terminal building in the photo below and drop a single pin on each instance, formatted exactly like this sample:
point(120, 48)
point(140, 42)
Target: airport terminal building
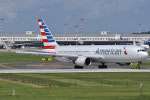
point(73, 39)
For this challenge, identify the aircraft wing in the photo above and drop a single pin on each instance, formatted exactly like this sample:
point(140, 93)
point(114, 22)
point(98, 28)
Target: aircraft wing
point(46, 54)
point(34, 53)
point(93, 58)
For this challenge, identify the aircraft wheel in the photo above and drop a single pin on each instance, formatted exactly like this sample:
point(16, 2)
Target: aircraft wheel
point(81, 67)
point(78, 67)
point(138, 67)
point(105, 66)
point(100, 66)
point(75, 67)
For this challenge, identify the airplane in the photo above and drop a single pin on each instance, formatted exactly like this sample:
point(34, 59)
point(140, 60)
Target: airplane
point(142, 44)
point(147, 43)
point(84, 55)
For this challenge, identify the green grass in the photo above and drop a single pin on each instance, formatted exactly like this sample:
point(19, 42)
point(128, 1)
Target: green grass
point(146, 64)
point(90, 86)
point(13, 57)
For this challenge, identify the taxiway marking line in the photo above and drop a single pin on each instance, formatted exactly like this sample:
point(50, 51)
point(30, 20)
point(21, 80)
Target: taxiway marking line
point(1, 65)
point(70, 70)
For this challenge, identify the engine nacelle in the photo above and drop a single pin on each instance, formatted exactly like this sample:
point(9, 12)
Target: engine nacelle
point(83, 61)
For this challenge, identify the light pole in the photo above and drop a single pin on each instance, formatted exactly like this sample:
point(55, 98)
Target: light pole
point(65, 28)
point(76, 30)
point(81, 26)
point(81, 30)
point(1, 26)
point(139, 28)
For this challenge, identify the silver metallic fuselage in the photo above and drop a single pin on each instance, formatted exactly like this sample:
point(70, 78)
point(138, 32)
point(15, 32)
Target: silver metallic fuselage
point(106, 53)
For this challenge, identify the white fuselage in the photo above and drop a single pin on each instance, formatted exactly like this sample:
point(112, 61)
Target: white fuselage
point(108, 53)
point(85, 54)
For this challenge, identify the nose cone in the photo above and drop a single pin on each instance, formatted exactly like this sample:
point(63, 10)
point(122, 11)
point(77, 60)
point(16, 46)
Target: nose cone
point(145, 54)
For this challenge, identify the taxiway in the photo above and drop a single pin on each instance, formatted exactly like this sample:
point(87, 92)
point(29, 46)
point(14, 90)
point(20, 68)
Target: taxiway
point(62, 67)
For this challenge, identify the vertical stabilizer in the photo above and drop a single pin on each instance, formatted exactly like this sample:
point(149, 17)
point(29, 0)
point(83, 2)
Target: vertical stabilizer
point(47, 37)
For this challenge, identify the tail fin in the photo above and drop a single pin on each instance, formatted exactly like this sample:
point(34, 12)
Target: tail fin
point(47, 37)
point(147, 42)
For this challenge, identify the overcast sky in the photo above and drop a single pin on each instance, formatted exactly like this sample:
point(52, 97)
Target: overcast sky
point(116, 16)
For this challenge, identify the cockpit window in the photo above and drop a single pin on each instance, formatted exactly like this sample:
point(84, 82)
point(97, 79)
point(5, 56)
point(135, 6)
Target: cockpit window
point(140, 50)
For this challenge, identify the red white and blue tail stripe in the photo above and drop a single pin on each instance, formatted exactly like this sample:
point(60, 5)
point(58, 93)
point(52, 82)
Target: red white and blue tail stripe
point(47, 37)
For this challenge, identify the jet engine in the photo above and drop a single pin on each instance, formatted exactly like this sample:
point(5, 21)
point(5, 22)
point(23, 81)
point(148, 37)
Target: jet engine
point(83, 61)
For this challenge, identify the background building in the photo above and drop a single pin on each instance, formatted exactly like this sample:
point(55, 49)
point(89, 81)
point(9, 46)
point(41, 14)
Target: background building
point(29, 40)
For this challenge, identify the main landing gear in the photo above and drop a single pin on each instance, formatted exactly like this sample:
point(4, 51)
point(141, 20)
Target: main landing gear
point(78, 67)
point(102, 66)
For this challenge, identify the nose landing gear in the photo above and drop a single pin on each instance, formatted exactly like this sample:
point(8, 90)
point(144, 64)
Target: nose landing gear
point(138, 65)
point(78, 67)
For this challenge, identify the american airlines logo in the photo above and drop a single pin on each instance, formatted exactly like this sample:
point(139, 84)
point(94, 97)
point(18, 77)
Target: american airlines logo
point(108, 51)
point(125, 52)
